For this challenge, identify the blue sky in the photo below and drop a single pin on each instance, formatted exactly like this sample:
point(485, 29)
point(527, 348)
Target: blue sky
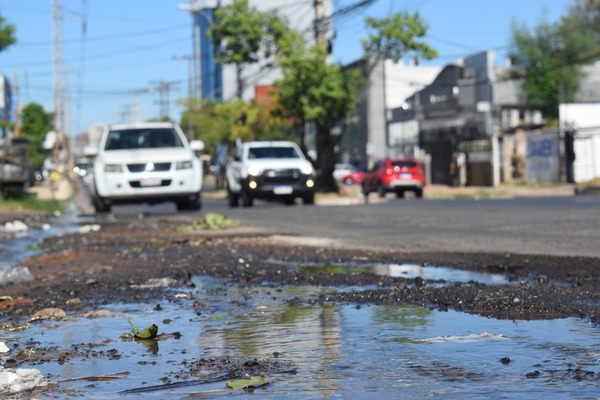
point(130, 47)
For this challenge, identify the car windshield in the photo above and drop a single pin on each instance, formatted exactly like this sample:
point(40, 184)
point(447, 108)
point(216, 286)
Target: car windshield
point(272, 152)
point(404, 163)
point(142, 139)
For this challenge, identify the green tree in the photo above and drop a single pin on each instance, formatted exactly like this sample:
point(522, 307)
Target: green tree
point(313, 90)
point(7, 34)
point(226, 122)
point(35, 124)
point(548, 61)
point(395, 37)
point(587, 12)
point(327, 94)
point(244, 35)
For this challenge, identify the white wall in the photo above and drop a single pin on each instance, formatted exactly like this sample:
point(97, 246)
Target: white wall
point(404, 79)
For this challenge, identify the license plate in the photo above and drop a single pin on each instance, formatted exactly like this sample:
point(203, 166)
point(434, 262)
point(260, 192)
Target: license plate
point(282, 190)
point(147, 182)
point(406, 176)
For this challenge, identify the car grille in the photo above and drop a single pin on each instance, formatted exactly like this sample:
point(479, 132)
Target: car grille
point(166, 166)
point(281, 175)
point(136, 184)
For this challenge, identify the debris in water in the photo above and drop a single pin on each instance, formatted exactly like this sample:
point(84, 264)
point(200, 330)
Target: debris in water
point(148, 333)
point(19, 380)
point(465, 338)
point(250, 382)
point(56, 314)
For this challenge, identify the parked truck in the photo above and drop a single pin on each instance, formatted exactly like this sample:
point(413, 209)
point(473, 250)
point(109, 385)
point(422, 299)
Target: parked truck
point(15, 167)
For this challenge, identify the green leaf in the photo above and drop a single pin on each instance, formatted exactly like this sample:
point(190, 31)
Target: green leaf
point(211, 221)
point(253, 381)
point(148, 333)
point(5, 298)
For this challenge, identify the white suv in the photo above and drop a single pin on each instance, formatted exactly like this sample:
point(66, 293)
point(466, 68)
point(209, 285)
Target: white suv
point(147, 162)
point(270, 170)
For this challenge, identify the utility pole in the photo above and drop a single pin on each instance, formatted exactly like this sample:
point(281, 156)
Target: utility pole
point(320, 24)
point(190, 60)
point(58, 86)
point(164, 88)
point(17, 116)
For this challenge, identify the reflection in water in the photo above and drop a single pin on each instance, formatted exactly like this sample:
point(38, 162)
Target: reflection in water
point(150, 344)
point(407, 271)
point(339, 351)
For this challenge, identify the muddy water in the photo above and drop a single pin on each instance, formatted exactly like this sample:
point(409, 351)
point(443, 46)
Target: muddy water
point(339, 352)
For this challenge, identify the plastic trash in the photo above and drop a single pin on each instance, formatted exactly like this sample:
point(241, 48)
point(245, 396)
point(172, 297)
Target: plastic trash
point(19, 380)
point(15, 226)
point(14, 274)
point(4, 348)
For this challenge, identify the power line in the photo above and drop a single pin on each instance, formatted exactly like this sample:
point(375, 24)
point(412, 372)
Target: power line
point(144, 33)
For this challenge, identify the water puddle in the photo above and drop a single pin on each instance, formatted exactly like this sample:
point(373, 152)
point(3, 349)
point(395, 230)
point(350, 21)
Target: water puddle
point(26, 240)
point(372, 352)
point(429, 273)
point(435, 273)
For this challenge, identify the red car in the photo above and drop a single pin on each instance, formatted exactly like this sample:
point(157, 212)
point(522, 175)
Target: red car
point(353, 177)
point(395, 175)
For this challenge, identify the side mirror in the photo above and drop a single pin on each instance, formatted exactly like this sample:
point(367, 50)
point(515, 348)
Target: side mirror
point(197, 145)
point(90, 151)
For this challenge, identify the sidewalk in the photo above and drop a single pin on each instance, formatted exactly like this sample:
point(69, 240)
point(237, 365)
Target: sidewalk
point(63, 192)
point(351, 194)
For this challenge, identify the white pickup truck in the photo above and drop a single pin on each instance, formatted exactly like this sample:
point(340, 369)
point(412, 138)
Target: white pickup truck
point(270, 170)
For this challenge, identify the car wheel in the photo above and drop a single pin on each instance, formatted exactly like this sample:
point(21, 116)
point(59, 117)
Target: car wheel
point(190, 205)
point(247, 200)
point(419, 193)
point(232, 198)
point(380, 190)
point(100, 205)
point(309, 199)
point(400, 194)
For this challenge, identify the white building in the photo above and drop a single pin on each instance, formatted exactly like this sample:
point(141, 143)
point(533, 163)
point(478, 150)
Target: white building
point(216, 82)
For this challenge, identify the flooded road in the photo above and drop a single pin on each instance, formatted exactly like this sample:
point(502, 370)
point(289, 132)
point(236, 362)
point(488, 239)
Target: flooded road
point(234, 303)
point(371, 352)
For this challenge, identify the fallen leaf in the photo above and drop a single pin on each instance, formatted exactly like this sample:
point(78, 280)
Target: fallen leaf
point(11, 302)
point(253, 381)
point(148, 333)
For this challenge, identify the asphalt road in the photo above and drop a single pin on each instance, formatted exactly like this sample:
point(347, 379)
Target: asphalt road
point(561, 225)
point(544, 225)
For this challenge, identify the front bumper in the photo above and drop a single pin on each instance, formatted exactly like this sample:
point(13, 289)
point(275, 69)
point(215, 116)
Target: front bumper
point(150, 187)
point(279, 183)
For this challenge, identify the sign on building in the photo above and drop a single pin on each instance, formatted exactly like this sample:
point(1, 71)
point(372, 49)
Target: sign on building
point(542, 162)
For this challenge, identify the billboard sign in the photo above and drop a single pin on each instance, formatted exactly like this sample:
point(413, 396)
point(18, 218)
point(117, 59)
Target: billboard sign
point(542, 163)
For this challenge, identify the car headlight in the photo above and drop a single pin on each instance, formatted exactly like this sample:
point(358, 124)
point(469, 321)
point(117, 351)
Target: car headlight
point(254, 170)
point(113, 168)
point(183, 164)
point(307, 170)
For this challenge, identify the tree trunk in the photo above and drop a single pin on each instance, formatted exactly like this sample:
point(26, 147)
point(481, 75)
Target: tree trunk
point(326, 159)
point(239, 92)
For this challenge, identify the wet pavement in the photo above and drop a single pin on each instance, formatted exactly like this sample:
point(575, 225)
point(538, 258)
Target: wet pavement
point(322, 351)
point(316, 322)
